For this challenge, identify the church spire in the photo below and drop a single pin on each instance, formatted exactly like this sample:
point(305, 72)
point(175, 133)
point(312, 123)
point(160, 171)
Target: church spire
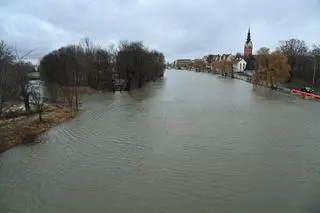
point(248, 36)
point(248, 45)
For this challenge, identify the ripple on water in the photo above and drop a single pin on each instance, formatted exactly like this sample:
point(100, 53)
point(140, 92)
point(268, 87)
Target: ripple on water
point(179, 149)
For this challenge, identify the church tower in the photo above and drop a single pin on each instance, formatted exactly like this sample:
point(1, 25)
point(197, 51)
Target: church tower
point(248, 45)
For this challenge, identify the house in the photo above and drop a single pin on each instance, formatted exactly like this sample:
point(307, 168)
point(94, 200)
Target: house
point(239, 65)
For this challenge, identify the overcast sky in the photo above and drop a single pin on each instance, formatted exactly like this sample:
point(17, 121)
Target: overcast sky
point(178, 28)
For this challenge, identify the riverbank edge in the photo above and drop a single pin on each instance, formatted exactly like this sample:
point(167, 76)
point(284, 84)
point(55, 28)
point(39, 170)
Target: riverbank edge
point(28, 128)
point(282, 89)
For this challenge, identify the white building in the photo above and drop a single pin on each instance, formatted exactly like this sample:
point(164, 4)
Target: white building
point(239, 65)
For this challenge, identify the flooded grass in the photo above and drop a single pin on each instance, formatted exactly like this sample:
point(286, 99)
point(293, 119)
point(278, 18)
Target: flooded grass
point(27, 129)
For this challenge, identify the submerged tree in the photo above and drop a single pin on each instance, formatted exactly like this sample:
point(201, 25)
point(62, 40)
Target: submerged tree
point(273, 69)
point(62, 71)
point(89, 65)
point(73, 66)
point(138, 65)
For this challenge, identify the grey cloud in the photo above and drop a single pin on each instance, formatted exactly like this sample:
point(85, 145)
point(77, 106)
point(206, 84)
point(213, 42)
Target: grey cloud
point(178, 28)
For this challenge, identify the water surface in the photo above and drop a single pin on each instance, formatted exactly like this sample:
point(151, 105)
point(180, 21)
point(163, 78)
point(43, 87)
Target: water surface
point(191, 142)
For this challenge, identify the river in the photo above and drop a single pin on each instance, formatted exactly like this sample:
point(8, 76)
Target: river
point(191, 142)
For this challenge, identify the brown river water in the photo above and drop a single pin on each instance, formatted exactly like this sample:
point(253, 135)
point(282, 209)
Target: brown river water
point(191, 142)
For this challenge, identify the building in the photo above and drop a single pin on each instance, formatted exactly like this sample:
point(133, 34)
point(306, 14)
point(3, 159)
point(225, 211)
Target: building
point(248, 46)
point(239, 65)
point(251, 63)
point(246, 63)
point(182, 63)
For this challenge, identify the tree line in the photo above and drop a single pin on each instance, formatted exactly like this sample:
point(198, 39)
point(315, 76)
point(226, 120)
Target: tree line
point(90, 65)
point(70, 69)
point(14, 80)
point(289, 62)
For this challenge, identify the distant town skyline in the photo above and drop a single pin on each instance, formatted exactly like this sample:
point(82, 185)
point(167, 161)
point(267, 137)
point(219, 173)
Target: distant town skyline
point(180, 29)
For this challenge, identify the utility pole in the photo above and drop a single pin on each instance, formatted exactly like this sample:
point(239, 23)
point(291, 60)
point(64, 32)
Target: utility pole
point(314, 70)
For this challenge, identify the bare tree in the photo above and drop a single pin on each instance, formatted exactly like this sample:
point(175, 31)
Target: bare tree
point(92, 66)
point(22, 80)
point(36, 96)
point(293, 48)
point(263, 50)
point(22, 69)
point(7, 87)
point(74, 68)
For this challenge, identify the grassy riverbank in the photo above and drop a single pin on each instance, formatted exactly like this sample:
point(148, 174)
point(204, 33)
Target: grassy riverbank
point(26, 129)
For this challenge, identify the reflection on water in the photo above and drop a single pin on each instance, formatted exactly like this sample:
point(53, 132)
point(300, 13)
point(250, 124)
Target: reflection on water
point(189, 143)
point(148, 91)
point(273, 95)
